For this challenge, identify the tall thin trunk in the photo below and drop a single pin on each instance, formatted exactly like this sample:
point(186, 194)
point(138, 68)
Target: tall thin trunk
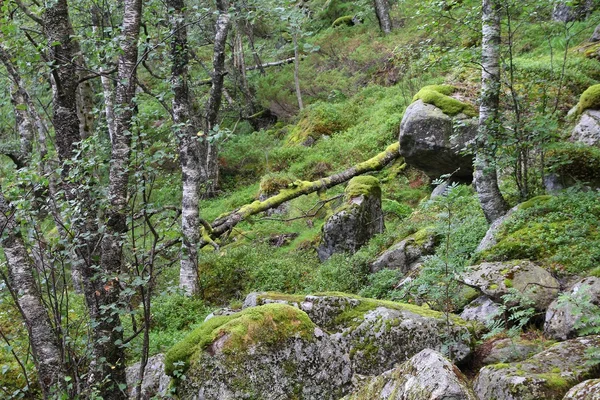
point(44, 343)
point(190, 149)
point(107, 333)
point(216, 93)
point(382, 10)
point(297, 71)
point(485, 178)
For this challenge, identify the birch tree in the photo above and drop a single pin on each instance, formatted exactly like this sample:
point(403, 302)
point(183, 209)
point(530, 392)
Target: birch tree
point(485, 177)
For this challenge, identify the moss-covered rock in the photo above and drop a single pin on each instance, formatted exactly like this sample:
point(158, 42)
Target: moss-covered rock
point(509, 350)
point(496, 280)
point(575, 163)
point(427, 375)
point(357, 221)
point(346, 20)
point(590, 99)
point(406, 254)
point(439, 96)
point(547, 375)
point(432, 140)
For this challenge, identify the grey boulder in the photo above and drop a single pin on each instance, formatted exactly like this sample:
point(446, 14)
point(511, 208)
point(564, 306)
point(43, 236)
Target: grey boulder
point(427, 375)
point(587, 130)
point(482, 310)
point(432, 141)
point(155, 382)
point(586, 390)
point(406, 254)
point(562, 317)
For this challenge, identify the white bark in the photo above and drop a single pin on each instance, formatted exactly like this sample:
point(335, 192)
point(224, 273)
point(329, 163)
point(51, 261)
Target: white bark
point(382, 10)
point(485, 178)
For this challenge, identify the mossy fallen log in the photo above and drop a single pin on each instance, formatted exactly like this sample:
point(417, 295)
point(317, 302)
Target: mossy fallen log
point(296, 189)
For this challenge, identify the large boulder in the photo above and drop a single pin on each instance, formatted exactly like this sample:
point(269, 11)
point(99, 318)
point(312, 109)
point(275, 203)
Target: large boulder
point(431, 140)
point(407, 253)
point(562, 317)
point(587, 130)
point(572, 11)
point(269, 352)
point(357, 221)
point(511, 350)
point(586, 390)
point(495, 279)
point(155, 382)
point(548, 375)
point(427, 375)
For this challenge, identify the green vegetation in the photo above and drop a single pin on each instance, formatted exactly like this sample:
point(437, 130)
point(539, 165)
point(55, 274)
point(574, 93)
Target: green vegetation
point(590, 99)
point(363, 186)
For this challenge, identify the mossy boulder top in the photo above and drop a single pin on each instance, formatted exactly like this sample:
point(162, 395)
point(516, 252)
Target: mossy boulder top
point(590, 99)
point(433, 140)
point(547, 375)
point(439, 96)
point(496, 279)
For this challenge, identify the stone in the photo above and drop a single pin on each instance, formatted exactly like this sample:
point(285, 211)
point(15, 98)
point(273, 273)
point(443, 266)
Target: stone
point(377, 333)
point(587, 130)
point(547, 375)
point(407, 253)
point(596, 35)
point(564, 12)
point(155, 382)
point(432, 141)
point(495, 279)
point(482, 310)
point(586, 390)
point(561, 318)
point(427, 375)
point(357, 221)
point(512, 350)
point(490, 240)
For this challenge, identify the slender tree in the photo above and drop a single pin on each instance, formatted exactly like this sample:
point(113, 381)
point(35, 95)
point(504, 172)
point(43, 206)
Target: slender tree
point(485, 178)
point(382, 10)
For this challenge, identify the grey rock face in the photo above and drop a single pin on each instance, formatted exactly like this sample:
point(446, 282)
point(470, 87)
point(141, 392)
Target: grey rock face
point(427, 375)
point(586, 390)
point(431, 141)
point(512, 350)
point(155, 382)
point(561, 319)
point(587, 130)
point(405, 255)
point(567, 13)
point(482, 310)
point(596, 35)
point(547, 375)
point(496, 278)
point(355, 223)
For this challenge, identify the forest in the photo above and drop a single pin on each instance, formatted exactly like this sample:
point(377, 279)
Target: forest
point(300, 199)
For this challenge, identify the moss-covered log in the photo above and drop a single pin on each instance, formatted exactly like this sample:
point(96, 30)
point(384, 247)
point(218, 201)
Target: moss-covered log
point(227, 222)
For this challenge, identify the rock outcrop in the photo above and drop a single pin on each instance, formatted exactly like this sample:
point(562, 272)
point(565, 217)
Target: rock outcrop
point(431, 140)
point(568, 12)
point(547, 375)
point(587, 130)
point(512, 350)
point(586, 390)
point(357, 221)
point(495, 279)
point(407, 253)
point(482, 310)
point(306, 347)
point(562, 317)
point(155, 382)
point(427, 375)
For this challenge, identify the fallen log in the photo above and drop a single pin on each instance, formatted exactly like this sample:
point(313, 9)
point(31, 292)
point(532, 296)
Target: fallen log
point(226, 223)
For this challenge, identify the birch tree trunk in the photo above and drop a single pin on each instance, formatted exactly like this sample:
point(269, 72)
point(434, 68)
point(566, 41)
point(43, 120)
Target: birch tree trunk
point(44, 343)
point(485, 178)
point(190, 150)
point(297, 71)
point(382, 10)
point(216, 94)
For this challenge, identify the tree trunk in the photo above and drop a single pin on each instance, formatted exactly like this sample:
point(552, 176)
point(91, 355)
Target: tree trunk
point(225, 224)
point(485, 179)
point(382, 10)
point(216, 94)
point(297, 72)
point(190, 149)
point(108, 335)
point(44, 344)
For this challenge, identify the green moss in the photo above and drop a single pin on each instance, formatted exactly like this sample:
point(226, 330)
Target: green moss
point(555, 382)
point(364, 185)
point(320, 119)
point(423, 235)
point(292, 298)
point(493, 286)
point(268, 324)
point(439, 96)
point(345, 20)
point(590, 99)
point(508, 283)
point(575, 161)
point(536, 201)
point(500, 366)
point(273, 183)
